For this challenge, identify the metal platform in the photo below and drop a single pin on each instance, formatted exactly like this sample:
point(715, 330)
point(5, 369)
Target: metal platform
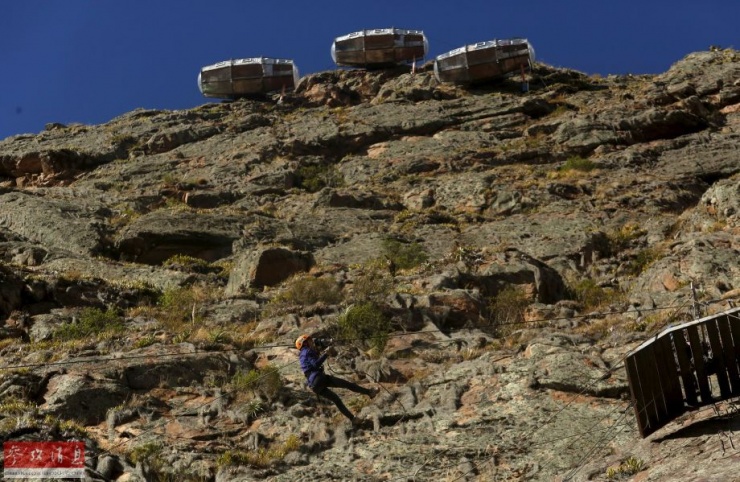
point(683, 368)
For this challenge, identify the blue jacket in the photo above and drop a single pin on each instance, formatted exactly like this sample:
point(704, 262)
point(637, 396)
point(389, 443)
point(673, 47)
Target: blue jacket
point(312, 365)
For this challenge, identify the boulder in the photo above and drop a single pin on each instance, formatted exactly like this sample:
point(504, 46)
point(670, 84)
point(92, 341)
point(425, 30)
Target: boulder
point(169, 139)
point(82, 397)
point(157, 236)
point(710, 261)
point(11, 288)
point(719, 206)
point(74, 226)
point(265, 267)
point(380, 371)
point(513, 267)
point(173, 370)
point(557, 366)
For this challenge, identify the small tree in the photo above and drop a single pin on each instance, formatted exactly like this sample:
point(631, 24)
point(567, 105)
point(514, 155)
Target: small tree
point(592, 296)
point(265, 380)
point(315, 177)
point(91, 322)
point(404, 255)
point(308, 290)
point(366, 326)
point(180, 305)
point(508, 307)
point(373, 283)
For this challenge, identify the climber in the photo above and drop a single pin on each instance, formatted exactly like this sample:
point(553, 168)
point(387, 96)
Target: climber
point(312, 364)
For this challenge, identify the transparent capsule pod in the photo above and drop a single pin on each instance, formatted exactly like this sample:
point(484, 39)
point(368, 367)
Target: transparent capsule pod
point(239, 77)
point(484, 61)
point(376, 48)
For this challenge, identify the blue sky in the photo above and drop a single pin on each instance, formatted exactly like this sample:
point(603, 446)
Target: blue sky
point(88, 61)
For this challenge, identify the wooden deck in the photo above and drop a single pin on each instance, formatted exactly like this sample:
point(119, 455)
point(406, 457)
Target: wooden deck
point(683, 368)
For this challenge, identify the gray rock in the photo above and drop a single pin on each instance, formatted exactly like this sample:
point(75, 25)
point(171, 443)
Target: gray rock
point(82, 398)
point(11, 287)
point(155, 237)
point(172, 371)
point(380, 371)
point(474, 174)
point(77, 227)
point(265, 267)
point(109, 467)
point(561, 368)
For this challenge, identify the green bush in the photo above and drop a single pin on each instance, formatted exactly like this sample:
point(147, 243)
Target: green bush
point(177, 305)
point(225, 266)
point(265, 380)
point(609, 244)
point(308, 290)
point(185, 260)
point(264, 457)
point(366, 326)
point(180, 305)
point(175, 298)
point(404, 255)
point(152, 456)
point(591, 295)
point(65, 428)
point(149, 453)
point(622, 238)
point(626, 469)
point(145, 341)
point(642, 260)
point(314, 177)
point(372, 283)
point(576, 163)
point(91, 321)
point(254, 407)
point(11, 405)
point(508, 306)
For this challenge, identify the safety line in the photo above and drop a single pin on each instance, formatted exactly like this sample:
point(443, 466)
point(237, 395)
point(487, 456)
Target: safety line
point(596, 446)
point(348, 339)
point(588, 386)
point(616, 424)
point(601, 443)
point(598, 422)
point(530, 445)
point(395, 398)
point(280, 369)
point(432, 470)
point(552, 418)
point(111, 358)
point(167, 418)
point(601, 419)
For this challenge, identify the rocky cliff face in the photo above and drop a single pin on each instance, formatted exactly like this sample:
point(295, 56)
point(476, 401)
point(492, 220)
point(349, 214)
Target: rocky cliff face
point(486, 257)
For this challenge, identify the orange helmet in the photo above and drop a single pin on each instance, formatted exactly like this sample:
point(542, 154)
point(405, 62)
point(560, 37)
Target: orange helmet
point(301, 340)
